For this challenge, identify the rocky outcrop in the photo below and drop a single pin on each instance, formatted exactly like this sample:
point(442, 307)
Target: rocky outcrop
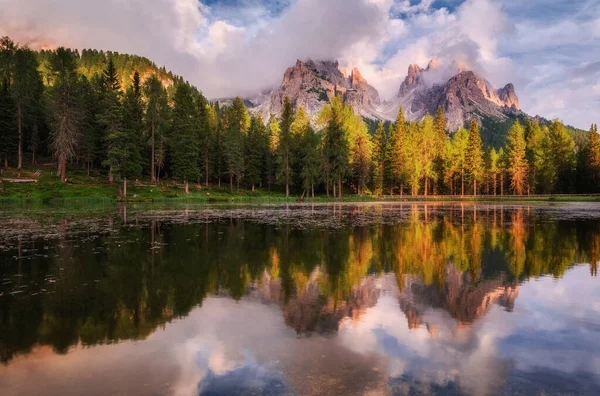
point(312, 84)
point(462, 94)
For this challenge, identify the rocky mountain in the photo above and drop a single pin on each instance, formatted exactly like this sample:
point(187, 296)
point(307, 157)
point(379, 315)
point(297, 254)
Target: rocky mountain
point(462, 94)
point(312, 84)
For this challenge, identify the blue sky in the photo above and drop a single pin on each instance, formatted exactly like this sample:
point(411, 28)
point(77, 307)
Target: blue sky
point(547, 48)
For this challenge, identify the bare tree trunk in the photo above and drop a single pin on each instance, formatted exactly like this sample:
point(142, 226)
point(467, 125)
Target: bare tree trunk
point(462, 182)
point(20, 148)
point(230, 183)
point(287, 190)
point(125, 187)
point(327, 189)
point(206, 171)
point(252, 187)
point(152, 161)
point(495, 184)
point(334, 190)
point(5, 162)
point(312, 188)
point(88, 169)
point(474, 187)
point(426, 184)
point(63, 170)
point(187, 187)
point(340, 184)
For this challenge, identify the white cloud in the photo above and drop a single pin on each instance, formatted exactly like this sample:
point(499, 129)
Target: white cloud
point(230, 51)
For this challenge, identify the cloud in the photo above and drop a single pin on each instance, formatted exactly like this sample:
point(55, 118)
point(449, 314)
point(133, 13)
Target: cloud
point(242, 47)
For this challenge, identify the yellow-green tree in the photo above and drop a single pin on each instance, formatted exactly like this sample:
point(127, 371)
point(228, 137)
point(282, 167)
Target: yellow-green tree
point(517, 161)
point(474, 155)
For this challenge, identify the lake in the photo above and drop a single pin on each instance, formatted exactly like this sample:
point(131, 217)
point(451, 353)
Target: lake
point(324, 299)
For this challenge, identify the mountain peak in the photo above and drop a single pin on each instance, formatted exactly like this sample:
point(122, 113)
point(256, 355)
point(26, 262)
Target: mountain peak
point(356, 78)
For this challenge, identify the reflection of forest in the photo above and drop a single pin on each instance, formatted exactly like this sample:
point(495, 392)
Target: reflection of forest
point(105, 288)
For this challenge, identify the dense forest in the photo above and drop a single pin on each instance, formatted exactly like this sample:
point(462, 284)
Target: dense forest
point(123, 117)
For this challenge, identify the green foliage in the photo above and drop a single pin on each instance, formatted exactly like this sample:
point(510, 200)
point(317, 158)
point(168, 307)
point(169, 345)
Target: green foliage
point(285, 146)
point(474, 156)
point(184, 135)
point(516, 157)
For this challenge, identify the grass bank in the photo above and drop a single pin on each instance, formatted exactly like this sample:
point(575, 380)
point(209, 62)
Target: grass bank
point(48, 187)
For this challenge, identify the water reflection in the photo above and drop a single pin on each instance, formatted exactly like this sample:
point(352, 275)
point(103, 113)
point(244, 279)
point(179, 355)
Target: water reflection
point(441, 299)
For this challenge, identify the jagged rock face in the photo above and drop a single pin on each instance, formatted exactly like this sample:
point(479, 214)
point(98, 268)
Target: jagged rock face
point(463, 96)
point(312, 84)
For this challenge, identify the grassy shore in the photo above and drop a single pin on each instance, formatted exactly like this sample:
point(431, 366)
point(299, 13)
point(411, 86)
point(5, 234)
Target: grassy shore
point(48, 187)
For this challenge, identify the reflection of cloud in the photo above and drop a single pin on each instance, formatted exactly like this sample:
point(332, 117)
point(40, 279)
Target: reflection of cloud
point(250, 378)
point(550, 331)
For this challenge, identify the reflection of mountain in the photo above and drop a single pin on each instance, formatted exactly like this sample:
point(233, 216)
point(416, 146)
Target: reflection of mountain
point(459, 296)
point(123, 283)
point(308, 310)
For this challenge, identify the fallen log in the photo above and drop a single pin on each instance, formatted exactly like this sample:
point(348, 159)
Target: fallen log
point(19, 180)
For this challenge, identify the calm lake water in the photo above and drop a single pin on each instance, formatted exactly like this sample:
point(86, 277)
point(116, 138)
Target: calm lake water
point(352, 299)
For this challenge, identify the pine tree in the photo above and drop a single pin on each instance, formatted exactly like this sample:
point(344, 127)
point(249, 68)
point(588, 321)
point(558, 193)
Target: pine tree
point(439, 125)
point(494, 168)
point(27, 88)
point(130, 163)
point(206, 137)
point(474, 155)
point(562, 155)
point(8, 123)
point(310, 170)
point(533, 140)
point(90, 146)
point(429, 149)
point(254, 155)
point(361, 158)
point(395, 153)
point(335, 145)
point(157, 108)
point(379, 158)
point(516, 155)
point(110, 118)
point(184, 135)
point(238, 122)
point(284, 148)
point(65, 109)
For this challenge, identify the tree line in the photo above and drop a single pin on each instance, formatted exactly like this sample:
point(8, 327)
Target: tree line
point(76, 108)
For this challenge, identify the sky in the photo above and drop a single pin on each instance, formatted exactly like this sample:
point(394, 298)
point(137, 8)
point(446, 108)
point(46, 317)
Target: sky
point(549, 49)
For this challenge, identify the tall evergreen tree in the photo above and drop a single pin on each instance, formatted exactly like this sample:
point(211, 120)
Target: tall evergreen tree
point(238, 122)
point(206, 137)
point(395, 153)
point(285, 146)
point(474, 155)
point(379, 158)
point(184, 134)
point(65, 109)
point(130, 161)
point(8, 123)
point(27, 88)
point(335, 145)
point(310, 170)
point(110, 118)
point(533, 141)
point(517, 160)
point(562, 155)
point(157, 108)
point(255, 152)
